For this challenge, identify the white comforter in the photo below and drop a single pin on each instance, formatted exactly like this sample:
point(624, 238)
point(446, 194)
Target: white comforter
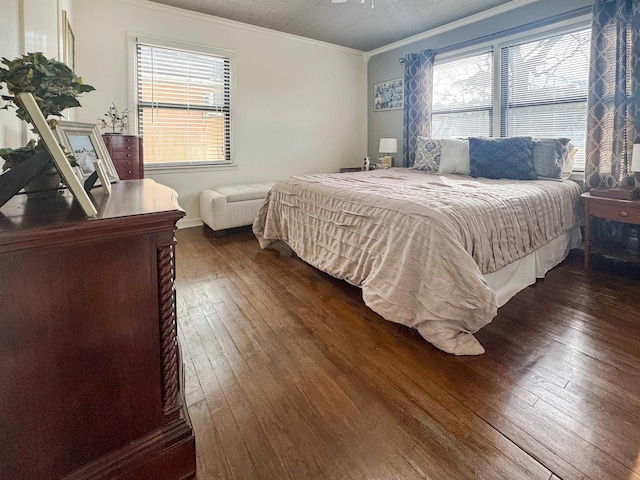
point(418, 243)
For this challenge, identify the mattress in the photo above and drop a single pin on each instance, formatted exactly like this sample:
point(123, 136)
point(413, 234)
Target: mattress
point(420, 245)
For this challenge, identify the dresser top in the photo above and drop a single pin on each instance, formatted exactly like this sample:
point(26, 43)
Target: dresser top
point(132, 204)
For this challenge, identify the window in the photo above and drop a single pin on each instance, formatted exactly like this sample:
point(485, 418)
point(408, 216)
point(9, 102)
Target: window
point(544, 88)
point(463, 97)
point(543, 85)
point(184, 106)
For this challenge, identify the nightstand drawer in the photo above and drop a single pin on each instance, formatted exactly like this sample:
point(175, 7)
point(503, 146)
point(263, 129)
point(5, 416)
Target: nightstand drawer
point(619, 213)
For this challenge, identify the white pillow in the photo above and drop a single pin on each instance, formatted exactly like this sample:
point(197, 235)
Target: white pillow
point(454, 156)
point(567, 165)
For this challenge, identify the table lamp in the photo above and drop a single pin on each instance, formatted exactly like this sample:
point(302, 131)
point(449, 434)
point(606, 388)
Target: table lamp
point(635, 158)
point(387, 146)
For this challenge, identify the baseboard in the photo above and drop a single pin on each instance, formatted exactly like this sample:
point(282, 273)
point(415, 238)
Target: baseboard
point(167, 454)
point(189, 222)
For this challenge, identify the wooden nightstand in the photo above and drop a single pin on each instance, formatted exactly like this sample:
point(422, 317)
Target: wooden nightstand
point(625, 211)
point(350, 169)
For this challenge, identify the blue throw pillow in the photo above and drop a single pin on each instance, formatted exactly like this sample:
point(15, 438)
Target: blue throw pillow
point(502, 158)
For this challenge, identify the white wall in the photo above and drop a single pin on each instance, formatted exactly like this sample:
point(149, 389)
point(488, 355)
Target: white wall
point(27, 26)
point(301, 105)
point(10, 39)
point(40, 27)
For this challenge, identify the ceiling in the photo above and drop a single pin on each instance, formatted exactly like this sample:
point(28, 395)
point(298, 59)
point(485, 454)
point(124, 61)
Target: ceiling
point(351, 24)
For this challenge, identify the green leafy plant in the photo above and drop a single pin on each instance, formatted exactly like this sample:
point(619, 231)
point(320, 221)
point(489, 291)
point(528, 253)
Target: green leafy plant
point(53, 85)
point(15, 156)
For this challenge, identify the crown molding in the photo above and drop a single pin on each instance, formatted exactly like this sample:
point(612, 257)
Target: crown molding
point(463, 22)
point(235, 24)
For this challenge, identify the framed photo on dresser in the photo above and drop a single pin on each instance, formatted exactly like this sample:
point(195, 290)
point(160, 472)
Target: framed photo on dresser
point(85, 142)
point(60, 159)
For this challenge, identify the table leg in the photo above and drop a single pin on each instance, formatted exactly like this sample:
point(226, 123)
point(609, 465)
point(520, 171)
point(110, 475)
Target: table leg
point(587, 240)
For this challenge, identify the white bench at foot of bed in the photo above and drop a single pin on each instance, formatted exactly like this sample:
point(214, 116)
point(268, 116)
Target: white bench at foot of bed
point(232, 206)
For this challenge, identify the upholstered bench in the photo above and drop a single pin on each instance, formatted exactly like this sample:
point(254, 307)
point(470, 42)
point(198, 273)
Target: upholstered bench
point(232, 206)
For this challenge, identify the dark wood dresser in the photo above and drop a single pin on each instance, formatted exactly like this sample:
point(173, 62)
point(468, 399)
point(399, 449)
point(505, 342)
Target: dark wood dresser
point(127, 155)
point(90, 366)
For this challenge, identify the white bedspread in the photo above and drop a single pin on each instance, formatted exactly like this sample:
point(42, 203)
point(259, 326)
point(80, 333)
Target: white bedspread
point(418, 243)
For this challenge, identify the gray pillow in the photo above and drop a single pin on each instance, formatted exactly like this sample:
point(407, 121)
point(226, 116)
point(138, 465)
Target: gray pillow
point(549, 154)
point(427, 154)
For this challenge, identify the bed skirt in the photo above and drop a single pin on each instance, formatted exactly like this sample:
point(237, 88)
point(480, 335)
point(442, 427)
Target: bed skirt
point(518, 275)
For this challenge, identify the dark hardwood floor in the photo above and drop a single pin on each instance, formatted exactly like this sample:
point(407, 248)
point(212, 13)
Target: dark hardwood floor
point(290, 376)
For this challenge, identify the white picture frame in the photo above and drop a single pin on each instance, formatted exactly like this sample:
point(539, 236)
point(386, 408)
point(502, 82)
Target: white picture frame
point(103, 177)
point(85, 142)
point(55, 150)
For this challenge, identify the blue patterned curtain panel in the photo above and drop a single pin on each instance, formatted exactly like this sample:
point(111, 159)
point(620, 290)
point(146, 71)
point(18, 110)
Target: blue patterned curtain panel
point(418, 90)
point(613, 122)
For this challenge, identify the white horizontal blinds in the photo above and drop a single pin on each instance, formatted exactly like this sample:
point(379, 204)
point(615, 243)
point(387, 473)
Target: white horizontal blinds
point(183, 105)
point(463, 96)
point(544, 86)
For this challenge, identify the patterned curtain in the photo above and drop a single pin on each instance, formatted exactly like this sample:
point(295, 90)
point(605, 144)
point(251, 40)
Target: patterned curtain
point(418, 91)
point(613, 122)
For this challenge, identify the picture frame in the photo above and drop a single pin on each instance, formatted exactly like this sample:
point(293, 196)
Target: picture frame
point(68, 42)
point(55, 150)
point(102, 176)
point(85, 142)
point(388, 95)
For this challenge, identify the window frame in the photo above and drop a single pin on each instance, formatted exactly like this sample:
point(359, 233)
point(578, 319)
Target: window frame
point(188, 165)
point(444, 59)
point(497, 45)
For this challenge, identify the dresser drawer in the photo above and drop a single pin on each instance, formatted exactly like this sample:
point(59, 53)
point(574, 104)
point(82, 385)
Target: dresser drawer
point(120, 153)
point(122, 143)
point(619, 213)
point(120, 149)
point(128, 173)
point(117, 141)
point(127, 167)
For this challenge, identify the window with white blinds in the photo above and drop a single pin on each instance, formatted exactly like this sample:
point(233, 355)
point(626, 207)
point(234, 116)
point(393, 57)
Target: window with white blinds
point(184, 106)
point(463, 96)
point(542, 85)
point(544, 89)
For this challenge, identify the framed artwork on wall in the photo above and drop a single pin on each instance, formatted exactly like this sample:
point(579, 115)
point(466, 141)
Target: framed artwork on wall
point(68, 42)
point(388, 95)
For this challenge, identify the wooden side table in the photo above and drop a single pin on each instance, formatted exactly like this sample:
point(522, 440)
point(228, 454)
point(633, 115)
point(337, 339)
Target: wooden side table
point(625, 211)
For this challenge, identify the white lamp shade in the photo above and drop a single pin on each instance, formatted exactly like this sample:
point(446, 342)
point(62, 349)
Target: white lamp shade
point(389, 145)
point(635, 158)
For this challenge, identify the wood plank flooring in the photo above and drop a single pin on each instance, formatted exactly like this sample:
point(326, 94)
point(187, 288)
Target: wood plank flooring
point(290, 376)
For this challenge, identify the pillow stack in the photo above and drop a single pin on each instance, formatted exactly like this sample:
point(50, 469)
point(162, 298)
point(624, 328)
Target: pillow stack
point(446, 155)
point(518, 158)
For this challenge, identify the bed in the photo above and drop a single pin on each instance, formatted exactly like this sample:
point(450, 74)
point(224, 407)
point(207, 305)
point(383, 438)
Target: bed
point(435, 252)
